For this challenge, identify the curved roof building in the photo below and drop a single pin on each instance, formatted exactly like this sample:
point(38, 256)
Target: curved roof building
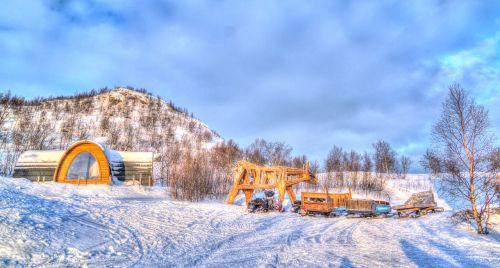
point(85, 162)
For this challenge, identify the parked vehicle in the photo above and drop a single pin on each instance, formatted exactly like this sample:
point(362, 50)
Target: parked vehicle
point(367, 207)
point(418, 204)
point(322, 203)
point(264, 204)
point(296, 206)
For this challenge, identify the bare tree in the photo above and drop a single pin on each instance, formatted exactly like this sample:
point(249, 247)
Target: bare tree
point(405, 163)
point(314, 167)
point(256, 152)
point(269, 153)
point(114, 134)
point(40, 136)
point(430, 162)
point(384, 158)
point(130, 135)
point(68, 129)
point(4, 107)
point(223, 158)
point(104, 124)
point(334, 166)
point(464, 147)
point(82, 130)
point(367, 182)
point(278, 153)
point(333, 162)
point(353, 166)
point(4, 114)
point(299, 161)
point(367, 163)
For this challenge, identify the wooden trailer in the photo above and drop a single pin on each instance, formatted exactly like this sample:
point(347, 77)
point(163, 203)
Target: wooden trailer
point(418, 204)
point(367, 207)
point(322, 203)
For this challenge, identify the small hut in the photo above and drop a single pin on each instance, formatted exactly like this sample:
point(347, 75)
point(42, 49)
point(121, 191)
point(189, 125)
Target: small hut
point(86, 162)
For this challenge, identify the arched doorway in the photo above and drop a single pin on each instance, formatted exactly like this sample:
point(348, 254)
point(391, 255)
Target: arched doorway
point(83, 163)
point(84, 166)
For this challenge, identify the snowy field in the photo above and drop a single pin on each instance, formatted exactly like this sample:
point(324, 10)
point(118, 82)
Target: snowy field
point(53, 225)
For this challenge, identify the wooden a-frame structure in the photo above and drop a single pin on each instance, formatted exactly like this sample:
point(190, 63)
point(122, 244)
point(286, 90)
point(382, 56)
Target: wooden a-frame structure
point(249, 177)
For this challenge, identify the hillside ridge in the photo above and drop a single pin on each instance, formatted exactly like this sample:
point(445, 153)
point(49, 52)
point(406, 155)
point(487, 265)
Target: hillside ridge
point(125, 118)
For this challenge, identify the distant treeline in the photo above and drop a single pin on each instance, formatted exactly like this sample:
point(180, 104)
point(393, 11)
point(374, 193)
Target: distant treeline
point(195, 174)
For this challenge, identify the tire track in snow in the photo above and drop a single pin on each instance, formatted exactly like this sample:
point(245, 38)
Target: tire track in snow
point(123, 240)
point(345, 236)
point(139, 245)
point(319, 240)
point(245, 243)
point(138, 232)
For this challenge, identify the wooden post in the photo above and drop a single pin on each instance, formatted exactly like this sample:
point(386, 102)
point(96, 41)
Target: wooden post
point(232, 194)
point(140, 179)
point(248, 195)
point(281, 185)
point(291, 194)
point(238, 175)
point(149, 180)
point(133, 180)
point(43, 179)
point(37, 178)
point(78, 180)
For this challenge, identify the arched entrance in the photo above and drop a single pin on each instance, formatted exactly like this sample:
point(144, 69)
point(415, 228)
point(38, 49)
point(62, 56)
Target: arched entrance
point(83, 163)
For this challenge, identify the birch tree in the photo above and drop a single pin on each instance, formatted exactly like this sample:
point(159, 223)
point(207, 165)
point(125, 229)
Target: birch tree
point(465, 148)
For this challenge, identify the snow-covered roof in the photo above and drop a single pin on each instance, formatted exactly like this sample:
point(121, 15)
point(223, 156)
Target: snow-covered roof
point(101, 144)
point(120, 156)
point(42, 157)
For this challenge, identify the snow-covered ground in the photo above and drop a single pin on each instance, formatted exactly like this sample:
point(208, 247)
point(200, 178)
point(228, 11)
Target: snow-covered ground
point(53, 224)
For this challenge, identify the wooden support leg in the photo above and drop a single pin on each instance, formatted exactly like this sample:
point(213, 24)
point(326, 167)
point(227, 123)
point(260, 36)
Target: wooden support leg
point(235, 190)
point(291, 194)
point(248, 195)
point(281, 192)
point(232, 195)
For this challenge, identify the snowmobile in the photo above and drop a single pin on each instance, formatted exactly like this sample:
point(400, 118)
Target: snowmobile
point(296, 206)
point(264, 204)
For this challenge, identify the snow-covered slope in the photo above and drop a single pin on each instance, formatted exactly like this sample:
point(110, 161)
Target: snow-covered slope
point(129, 119)
point(124, 119)
point(64, 225)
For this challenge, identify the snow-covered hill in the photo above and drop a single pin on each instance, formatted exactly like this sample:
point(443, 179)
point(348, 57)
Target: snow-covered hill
point(127, 119)
point(54, 224)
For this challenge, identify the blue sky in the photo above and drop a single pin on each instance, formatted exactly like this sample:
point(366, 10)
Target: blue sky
point(311, 73)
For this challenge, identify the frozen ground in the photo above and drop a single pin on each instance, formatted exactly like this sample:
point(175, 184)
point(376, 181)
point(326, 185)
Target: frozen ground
point(64, 225)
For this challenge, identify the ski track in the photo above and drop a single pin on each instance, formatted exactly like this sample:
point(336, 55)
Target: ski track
point(75, 230)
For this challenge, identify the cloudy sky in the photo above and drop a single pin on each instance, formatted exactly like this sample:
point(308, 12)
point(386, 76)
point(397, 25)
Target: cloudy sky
point(311, 73)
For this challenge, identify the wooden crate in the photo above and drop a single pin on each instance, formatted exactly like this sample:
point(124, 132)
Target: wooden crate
point(323, 202)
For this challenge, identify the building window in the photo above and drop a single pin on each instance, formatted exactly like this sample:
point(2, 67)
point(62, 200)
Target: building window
point(84, 166)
